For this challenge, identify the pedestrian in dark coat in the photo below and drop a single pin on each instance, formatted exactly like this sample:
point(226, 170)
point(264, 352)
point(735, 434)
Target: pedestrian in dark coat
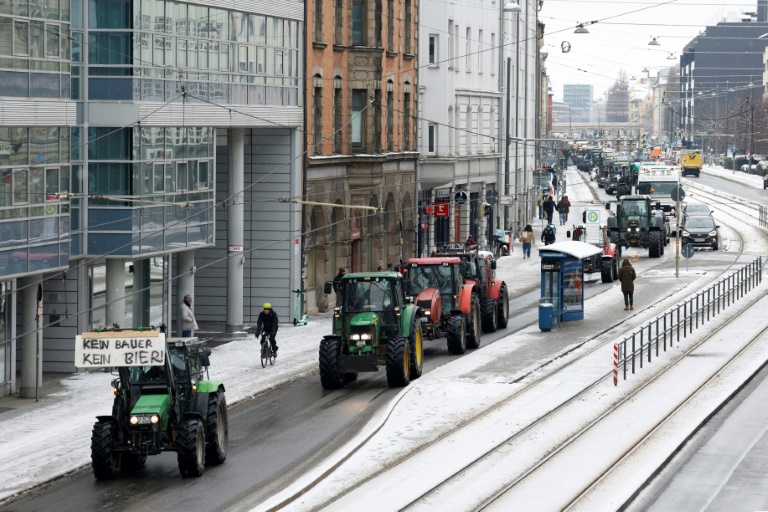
point(563, 208)
point(549, 208)
point(337, 285)
point(627, 278)
point(548, 235)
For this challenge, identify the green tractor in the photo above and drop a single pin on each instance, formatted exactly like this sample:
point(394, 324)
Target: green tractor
point(373, 327)
point(639, 223)
point(168, 406)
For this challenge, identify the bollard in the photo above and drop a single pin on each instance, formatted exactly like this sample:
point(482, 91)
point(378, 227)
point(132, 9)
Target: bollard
point(616, 364)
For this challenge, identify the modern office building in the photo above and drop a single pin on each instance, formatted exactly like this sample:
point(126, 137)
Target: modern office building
point(579, 98)
point(144, 147)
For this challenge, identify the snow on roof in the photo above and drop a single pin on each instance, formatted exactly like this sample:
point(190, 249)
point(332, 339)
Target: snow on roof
point(578, 250)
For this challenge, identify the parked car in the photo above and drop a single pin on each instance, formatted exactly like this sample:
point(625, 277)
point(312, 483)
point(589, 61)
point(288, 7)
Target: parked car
point(700, 231)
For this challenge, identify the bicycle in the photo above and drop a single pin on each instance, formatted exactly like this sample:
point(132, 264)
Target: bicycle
point(267, 354)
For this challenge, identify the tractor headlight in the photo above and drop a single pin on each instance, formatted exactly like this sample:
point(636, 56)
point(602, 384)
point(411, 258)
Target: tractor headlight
point(154, 419)
point(134, 420)
point(637, 229)
point(355, 337)
point(427, 313)
point(364, 336)
point(629, 229)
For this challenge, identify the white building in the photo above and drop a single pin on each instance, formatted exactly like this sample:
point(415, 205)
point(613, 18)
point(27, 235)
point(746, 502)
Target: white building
point(464, 52)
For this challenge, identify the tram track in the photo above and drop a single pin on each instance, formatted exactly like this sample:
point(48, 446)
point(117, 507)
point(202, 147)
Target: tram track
point(557, 368)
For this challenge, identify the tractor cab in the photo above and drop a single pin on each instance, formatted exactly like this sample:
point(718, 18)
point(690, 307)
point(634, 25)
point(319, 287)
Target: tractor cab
point(372, 301)
point(441, 274)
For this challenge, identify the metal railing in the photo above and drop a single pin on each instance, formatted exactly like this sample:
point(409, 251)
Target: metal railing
point(680, 321)
point(763, 215)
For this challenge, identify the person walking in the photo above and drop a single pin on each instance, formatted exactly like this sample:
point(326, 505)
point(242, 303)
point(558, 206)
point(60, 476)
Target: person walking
point(549, 208)
point(569, 206)
point(337, 284)
point(548, 235)
point(563, 208)
point(627, 278)
point(528, 239)
point(188, 322)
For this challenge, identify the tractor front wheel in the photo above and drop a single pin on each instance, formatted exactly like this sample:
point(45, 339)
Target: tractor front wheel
point(654, 244)
point(104, 460)
point(330, 371)
point(190, 447)
point(217, 429)
point(473, 328)
point(456, 335)
point(416, 348)
point(488, 315)
point(502, 316)
point(398, 362)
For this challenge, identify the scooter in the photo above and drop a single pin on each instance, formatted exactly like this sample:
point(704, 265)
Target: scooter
point(305, 318)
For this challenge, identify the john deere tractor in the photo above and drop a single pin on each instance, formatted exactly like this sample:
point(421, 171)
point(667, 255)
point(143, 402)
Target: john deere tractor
point(373, 327)
point(163, 402)
point(639, 223)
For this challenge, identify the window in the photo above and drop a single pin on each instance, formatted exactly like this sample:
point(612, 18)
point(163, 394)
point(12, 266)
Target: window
point(468, 50)
point(456, 46)
point(20, 38)
point(433, 49)
point(339, 22)
point(318, 20)
point(407, 117)
point(358, 21)
point(493, 53)
point(377, 19)
point(480, 52)
point(358, 116)
point(431, 138)
point(377, 122)
point(317, 118)
point(390, 120)
point(337, 119)
point(391, 25)
point(408, 48)
point(450, 44)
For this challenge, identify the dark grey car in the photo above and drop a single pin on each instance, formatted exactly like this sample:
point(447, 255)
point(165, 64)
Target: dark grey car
point(700, 231)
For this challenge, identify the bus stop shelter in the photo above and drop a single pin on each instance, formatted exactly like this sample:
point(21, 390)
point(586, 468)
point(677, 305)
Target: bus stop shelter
point(562, 282)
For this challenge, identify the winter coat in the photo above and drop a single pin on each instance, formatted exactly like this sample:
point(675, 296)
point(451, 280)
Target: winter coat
point(337, 282)
point(188, 322)
point(527, 235)
point(267, 322)
point(563, 206)
point(548, 235)
point(549, 206)
point(627, 276)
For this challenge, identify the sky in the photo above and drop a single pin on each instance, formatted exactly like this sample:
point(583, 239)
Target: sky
point(445, 395)
point(620, 38)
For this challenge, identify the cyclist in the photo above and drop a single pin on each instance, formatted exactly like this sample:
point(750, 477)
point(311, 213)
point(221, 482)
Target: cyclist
point(268, 323)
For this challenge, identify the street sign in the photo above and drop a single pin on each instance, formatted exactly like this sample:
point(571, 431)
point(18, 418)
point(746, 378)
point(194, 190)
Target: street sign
point(460, 197)
point(441, 209)
point(677, 193)
point(593, 233)
point(687, 251)
point(505, 201)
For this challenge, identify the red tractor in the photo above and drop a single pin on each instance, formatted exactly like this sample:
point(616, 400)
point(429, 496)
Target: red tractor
point(479, 270)
point(606, 262)
point(450, 307)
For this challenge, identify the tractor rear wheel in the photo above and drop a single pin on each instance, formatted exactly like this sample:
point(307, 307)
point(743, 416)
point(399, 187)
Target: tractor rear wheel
point(614, 236)
point(398, 362)
point(615, 265)
point(217, 429)
point(416, 347)
point(104, 460)
point(654, 244)
point(190, 447)
point(502, 316)
point(488, 315)
point(606, 271)
point(456, 335)
point(473, 328)
point(330, 371)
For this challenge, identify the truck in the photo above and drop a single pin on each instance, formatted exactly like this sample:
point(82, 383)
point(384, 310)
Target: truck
point(374, 327)
point(164, 402)
point(658, 182)
point(639, 223)
point(691, 163)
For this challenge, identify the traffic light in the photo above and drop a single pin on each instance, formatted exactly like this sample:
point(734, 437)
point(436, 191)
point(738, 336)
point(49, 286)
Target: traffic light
point(488, 210)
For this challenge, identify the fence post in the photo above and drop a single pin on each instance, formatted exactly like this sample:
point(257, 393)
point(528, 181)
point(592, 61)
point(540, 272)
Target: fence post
point(709, 294)
point(633, 353)
point(650, 342)
point(624, 356)
point(685, 319)
point(665, 331)
point(657, 337)
point(678, 324)
point(616, 364)
point(697, 311)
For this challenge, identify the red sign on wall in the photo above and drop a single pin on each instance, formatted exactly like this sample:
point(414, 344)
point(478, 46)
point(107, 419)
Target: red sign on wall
point(441, 209)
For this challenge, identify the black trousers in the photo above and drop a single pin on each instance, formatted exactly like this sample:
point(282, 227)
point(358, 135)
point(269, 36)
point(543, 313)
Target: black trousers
point(628, 298)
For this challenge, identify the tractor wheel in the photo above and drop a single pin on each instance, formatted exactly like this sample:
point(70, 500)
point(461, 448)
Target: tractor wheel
point(104, 460)
point(473, 328)
point(398, 362)
point(488, 315)
point(456, 335)
point(614, 237)
point(330, 373)
point(654, 244)
point(190, 447)
point(217, 429)
point(502, 316)
point(416, 348)
point(606, 271)
point(133, 462)
point(615, 266)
